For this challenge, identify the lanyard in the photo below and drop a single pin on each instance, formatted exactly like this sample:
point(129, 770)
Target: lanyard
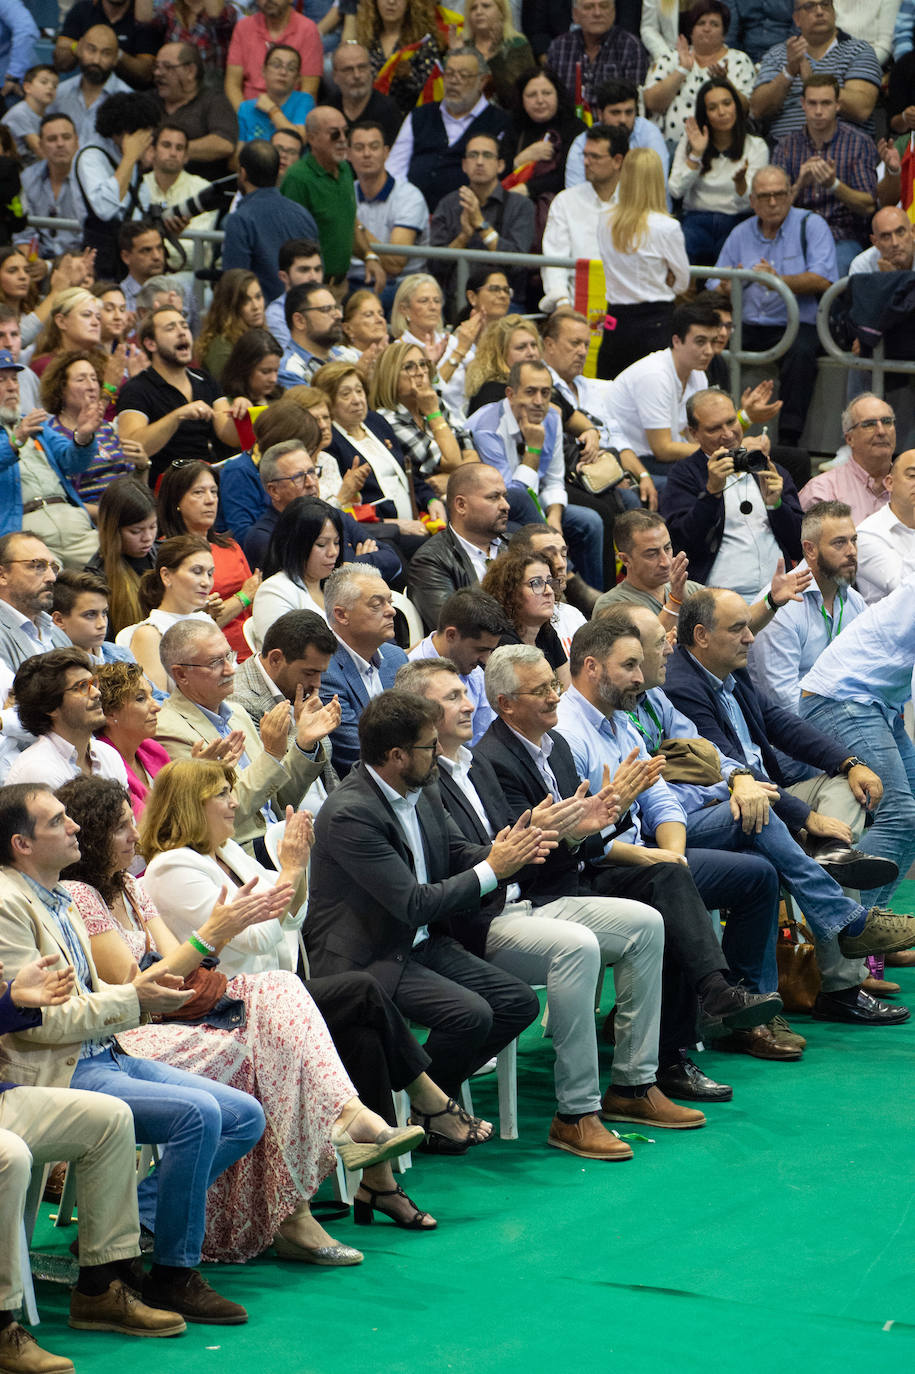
point(833, 627)
point(653, 744)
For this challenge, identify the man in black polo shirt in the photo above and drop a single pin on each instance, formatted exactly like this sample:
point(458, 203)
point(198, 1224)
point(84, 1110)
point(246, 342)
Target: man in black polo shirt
point(173, 410)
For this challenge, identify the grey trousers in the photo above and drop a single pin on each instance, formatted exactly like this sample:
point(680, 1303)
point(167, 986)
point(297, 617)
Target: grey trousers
point(41, 1125)
point(833, 797)
point(564, 945)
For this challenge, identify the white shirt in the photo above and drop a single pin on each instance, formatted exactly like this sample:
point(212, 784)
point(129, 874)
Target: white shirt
point(389, 475)
point(459, 770)
point(273, 598)
point(865, 262)
point(641, 275)
point(478, 558)
point(644, 135)
point(749, 553)
point(886, 554)
point(650, 395)
point(400, 156)
point(570, 232)
point(592, 396)
point(53, 760)
point(714, 191)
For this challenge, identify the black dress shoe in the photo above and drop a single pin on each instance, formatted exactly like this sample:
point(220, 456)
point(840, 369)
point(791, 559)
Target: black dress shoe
point(685, 1080)
point(727, 1008)
point(853, 868)
point(857, 1007)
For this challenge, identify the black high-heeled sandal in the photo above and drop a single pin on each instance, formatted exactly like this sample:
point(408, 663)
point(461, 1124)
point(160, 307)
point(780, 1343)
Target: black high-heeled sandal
point(438, 1144)
point(364, 1212)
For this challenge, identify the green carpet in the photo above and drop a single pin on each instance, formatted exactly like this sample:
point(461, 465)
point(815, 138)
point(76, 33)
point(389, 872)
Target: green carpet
point(779, 1238)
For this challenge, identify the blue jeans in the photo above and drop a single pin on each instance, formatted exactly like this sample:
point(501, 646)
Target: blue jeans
point(846, 251)
point(748, 886)
point(205, 1127)
point(704, 232)
point(887, 749)
point(821, 899)
point(584, 532)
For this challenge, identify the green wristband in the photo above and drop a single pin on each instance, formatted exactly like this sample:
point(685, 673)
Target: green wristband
point(201, 946)
point(245, 600)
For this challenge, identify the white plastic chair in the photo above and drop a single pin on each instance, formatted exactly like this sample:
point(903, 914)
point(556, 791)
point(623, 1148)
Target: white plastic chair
point(411, 615)
point(507, 1077)
point(248, 632)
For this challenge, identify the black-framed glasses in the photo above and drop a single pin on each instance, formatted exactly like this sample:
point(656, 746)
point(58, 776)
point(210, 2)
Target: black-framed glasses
point(297, 476)
point(322, 310)
point(540, 584)
point(888, 422)
point(433, 745)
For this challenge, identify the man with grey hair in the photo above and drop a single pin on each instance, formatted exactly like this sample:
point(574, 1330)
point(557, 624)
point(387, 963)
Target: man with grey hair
point(869, 427)
point(433, 138)
point(273, 771)
point(359, 608)
point(356, 97)
point(561, 937)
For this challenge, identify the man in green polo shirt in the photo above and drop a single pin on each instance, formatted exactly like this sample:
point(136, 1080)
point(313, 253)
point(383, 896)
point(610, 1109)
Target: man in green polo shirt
point(322, 181)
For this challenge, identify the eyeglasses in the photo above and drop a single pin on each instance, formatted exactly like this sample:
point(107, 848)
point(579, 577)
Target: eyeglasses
point(39, 565)
point(888, 422)
point(547, 689)
point(335, 135)
point(323, 310)
point(297, 476)
point(497, 289)
point(465, 78)
point(214, 665)
point(360, 67)
point(277, 64)
point(84, 686)
point(415, 369)
point(542, 584)
point(433, 745)
point(770, 195)
point(812, 5)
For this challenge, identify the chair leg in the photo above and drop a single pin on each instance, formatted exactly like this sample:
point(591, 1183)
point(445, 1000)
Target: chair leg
point(467, 1098)
point(67, 1198)
point(29, 1217)
point(507, 1071)
point(401, 1112)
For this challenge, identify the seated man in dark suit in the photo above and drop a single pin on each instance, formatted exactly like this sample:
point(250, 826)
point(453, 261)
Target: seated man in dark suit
point(562, 938)
point(530, 755)
point(707, 680)
point(360, 611)
point(458, 555)
point(389, 871)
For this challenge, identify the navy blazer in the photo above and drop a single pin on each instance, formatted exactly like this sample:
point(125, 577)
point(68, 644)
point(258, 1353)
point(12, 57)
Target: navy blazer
point(696, 519)
point(524, 788)
point(771, 727)
point(471, 927)
point(343, 680)
point(347, 456)
point(364, 902)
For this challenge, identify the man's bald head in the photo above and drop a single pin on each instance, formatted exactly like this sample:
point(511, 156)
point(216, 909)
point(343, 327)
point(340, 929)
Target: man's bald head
point(476, 501)
point(893, 235)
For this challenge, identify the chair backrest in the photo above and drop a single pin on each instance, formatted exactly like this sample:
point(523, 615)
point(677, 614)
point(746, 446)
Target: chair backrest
point(411, 615)
point(248, 632)
point(123, 637)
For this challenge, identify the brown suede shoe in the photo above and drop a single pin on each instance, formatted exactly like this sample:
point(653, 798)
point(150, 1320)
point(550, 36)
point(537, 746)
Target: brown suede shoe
point(785, 1034)
point(587, 1138)
point(880, 987)
point(119, 1308)
point(188, 1293)
point(20, 1353)
point(761, 1043)
point(903, 958)
point(654, 1109)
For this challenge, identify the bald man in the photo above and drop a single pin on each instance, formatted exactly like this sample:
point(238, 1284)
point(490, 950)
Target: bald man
point(458, 555)
point(893, 244)
point(97, 54)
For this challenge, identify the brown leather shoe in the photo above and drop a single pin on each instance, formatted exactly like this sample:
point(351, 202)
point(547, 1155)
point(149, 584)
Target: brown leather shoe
point(903, 958)
point(879, 987)
point(20, 1353)
point(186, 1291)
point(760, 1042)
point(587, 1138)
point(654, 1109)
point(119, 1308)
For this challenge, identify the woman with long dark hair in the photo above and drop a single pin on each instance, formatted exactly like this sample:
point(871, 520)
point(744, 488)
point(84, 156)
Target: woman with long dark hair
point(714, 166)
point(237, 305)
point(306, 546)
point(128, 523)
point(179, 587)
point(251, 368)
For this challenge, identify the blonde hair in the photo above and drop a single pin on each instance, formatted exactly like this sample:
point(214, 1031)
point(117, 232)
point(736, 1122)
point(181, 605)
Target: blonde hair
point(508, 29)
point(405, 293)
point(488, 363)
point(174, 816)
point(50, 340)
point(641, 192)
point(387, 374)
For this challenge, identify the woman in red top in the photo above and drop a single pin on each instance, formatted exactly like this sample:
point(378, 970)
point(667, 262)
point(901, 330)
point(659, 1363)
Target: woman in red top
point(188, 504)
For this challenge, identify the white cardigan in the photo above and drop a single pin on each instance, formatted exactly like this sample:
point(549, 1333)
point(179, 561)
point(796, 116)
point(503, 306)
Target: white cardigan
point(184, 887)
point(715, 191)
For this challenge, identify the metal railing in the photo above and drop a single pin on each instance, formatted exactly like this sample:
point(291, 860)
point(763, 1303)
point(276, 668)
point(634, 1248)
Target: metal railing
point(462, 257)
point(876, 364)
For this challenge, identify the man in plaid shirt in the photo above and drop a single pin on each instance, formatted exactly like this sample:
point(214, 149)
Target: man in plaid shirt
point(833, 168)
point(604, 51)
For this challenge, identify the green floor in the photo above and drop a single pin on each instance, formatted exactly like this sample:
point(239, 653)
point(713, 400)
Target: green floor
point(780, 1238)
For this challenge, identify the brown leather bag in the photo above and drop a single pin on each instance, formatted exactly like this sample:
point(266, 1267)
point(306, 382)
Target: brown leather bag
point(799, 978)
point(691, 760)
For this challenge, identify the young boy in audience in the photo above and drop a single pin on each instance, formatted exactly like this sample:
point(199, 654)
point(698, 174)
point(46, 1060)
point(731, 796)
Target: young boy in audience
point(24, 118)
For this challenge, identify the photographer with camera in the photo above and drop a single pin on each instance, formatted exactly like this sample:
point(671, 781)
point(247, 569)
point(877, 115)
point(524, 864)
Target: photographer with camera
point(729, 508)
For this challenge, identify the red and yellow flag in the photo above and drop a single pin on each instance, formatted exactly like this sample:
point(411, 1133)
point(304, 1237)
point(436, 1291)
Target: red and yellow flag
point(907, 179)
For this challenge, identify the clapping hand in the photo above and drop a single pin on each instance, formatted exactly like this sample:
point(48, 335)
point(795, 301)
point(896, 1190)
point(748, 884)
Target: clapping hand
point(38, 984)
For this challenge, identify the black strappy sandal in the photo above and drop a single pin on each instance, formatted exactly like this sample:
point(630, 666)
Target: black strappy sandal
point(438, 1144)
point(364, 1212)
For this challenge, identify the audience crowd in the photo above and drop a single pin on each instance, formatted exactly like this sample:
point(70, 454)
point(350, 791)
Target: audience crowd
point(379, 643)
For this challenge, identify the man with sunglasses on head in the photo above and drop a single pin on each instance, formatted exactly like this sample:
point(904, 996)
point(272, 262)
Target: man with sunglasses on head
point(58, 701)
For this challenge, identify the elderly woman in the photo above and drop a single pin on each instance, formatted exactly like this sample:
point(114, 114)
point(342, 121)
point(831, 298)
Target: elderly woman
point(403, 394)
point(416, 317)
point(256, 1028)
point(365, 330)
point(524, 586)
point(677, 76)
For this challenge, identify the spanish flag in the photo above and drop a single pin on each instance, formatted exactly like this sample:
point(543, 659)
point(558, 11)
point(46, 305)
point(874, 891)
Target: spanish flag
point(907, 179)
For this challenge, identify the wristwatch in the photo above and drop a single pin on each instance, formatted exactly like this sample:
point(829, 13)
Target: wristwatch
point(849, 764)
point(739, 773)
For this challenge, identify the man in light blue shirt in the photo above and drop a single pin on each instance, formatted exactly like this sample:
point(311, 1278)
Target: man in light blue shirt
point(298, 263)
point(856, 691)
point(470, 625)
point(80, 97)
point(789, 645)
point(617, 103)
point(18, 36)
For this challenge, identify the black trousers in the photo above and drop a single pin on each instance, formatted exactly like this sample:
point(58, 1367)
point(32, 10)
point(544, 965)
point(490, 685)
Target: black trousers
point(797, 373)
point(640, 329)
point(472, 1009)
point(378, 1050)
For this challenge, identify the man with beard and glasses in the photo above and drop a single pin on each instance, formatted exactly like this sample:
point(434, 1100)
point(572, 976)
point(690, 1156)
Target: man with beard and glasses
point(315, 323)
point(28, 571)
point(389, 869)
point(174, 410)
point(789, 645)
point(97, 54)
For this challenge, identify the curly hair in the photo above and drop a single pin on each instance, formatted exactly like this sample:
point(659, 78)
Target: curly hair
point(97, 806)
point(489, 364)
point(418, 20)
point(116, 681)
point(174, 816)
point(54, 377)
point(224, 318)
point(504, 580)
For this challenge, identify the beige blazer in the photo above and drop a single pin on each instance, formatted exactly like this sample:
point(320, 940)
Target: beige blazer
point(266, 779)
point(46, 1055)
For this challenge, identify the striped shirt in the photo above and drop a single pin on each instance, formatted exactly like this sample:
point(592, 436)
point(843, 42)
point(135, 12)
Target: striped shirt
point(849, 59)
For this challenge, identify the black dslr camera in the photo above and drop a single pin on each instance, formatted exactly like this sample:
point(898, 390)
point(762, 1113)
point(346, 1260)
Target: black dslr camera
point(748, 460)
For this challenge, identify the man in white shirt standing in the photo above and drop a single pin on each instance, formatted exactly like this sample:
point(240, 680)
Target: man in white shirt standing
point(886, 539)
point(59, 702)
point(571, 225)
